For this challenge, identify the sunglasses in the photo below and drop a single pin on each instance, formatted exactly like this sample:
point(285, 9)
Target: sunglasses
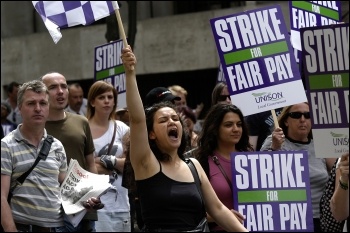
point(297, 115)
point(224, 97)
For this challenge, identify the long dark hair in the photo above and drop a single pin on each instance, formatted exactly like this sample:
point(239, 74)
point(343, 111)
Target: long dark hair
point(217, 92)
point(208, 137)
point(150, 112)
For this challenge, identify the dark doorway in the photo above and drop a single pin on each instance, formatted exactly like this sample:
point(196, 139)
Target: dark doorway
point(199, 85)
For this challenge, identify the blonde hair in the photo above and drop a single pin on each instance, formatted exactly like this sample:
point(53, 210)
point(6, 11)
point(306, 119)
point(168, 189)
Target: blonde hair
point(175, 89)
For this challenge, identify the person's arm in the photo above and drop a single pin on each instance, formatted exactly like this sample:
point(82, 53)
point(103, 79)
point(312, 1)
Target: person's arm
point(254, 128)
point(100, 168)
point(238, 215)
point(110, 163)
point(6, 214)
point(253, 140)
point(119, 164)
point(61, 177)
point(140, 151)
point(340, 199)
point(107, 164)
point(274, 141)
point(218, 211)
point(90, 163)
point(277, 139)
point(329, 163)
point(198, 110)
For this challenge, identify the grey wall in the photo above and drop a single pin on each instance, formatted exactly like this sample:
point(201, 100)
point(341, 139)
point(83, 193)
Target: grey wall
point(163, 44)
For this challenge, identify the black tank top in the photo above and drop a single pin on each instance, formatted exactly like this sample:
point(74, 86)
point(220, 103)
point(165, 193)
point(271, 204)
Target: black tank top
point(169, 204)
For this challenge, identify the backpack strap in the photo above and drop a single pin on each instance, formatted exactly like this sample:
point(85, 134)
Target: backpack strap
point(45, 149)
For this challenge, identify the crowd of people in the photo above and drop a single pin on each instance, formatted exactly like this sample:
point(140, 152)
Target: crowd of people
point(148, 150)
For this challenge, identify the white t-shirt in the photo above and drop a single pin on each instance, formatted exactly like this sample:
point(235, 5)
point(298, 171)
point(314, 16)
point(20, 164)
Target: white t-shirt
point(113, 203)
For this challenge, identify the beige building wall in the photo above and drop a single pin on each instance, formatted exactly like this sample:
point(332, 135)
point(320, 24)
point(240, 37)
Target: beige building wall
point(163, 44)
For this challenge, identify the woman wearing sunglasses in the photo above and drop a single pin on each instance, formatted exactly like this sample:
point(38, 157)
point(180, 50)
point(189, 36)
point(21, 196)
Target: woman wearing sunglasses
point(295, 134)
point(220, 94)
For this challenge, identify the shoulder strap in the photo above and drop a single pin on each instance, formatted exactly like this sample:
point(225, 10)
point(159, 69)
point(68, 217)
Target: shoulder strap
point(217, 162)
point(45, 149)
point(112, 141)
point(196, 180)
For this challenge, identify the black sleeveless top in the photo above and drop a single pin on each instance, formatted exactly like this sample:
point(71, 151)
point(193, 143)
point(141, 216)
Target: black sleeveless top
point(169, 204)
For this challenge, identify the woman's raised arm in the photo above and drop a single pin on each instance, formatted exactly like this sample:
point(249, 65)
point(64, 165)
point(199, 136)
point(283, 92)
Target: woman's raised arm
point(139, 147)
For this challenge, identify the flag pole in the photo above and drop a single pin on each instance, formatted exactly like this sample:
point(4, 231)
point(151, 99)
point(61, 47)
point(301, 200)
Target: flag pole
point(121, 27)
point(273, 113)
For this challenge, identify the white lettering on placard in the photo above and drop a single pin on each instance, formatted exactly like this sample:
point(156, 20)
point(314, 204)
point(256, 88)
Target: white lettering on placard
point(253, 29)
point(295, 213)
point(108, 56)
point(245, 75)
point(346, 100)
point(327, 21)
point(256, 52)
point(276, 171)
point(328, 4)
point(315, 8)
point(303, 19)
point(119, 83)
point(279, 66)
point(271, 195)
point(337, 80)
point(332, 49)
point(325, 107)
point(258, 217)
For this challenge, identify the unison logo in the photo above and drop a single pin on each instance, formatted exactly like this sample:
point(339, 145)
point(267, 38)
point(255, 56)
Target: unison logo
point(267, 96)
point(340, 139)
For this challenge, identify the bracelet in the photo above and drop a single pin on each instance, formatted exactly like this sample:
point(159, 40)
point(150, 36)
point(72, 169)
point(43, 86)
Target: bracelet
point(343, 185)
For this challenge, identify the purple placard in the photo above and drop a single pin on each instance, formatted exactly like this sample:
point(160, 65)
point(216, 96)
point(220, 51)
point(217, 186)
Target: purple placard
point(109, 67)
point(232, 39)
point(326, 65)
point(257, 60)
point(272, 190)
point(325, 55)
point(311, 14)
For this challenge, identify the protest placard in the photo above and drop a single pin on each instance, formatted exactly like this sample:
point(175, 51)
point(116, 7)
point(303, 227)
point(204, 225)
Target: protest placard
point(311, 14)
point(325, 53)
point(109, 67)
point(257, 60)
point(272, 190)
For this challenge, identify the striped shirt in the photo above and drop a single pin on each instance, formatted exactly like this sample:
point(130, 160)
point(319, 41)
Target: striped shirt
point(37, 201)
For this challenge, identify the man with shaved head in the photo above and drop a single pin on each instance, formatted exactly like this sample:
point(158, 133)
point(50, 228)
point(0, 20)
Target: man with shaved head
point(74, 132)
